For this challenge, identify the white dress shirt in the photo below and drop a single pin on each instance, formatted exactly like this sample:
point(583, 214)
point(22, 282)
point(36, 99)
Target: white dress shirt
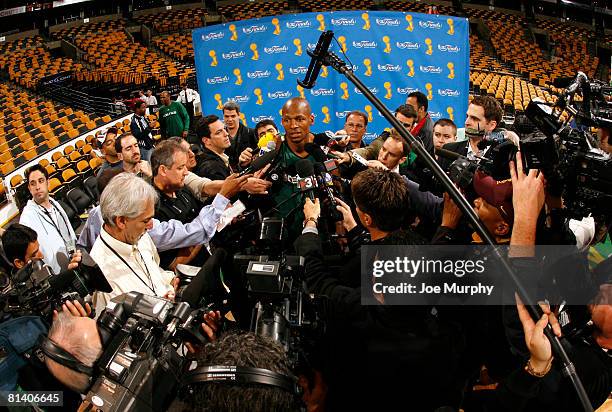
point(188, 96)
point(151, 100)
point(145, 275)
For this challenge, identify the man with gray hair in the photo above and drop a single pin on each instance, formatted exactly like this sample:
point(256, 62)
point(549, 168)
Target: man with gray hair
point(124, 250)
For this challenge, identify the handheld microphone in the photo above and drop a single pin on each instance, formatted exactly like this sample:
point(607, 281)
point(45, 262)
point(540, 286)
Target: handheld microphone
point(359, 158)
point(305, 170)
point(317, 59)
point(265, 139)
point(325, 182)
point(447, 154)
point(269, 147)
point(259, 163)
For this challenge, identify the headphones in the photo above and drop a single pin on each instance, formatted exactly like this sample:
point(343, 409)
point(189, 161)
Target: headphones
point(61, 356)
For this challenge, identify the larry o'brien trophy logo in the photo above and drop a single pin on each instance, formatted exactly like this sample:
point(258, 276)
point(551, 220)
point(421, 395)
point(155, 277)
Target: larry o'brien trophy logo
point(321, 20)
point(368, 110)
point(243, 118)
point(253, 48)
point(300, 90)
point(345, 92)
point(219, 101)
point(213, 57)
point(410, 64)
point(451, 26)
point(387, 42)
point(298, 46)
point(449, 110)
point(368, 65)
point(429, 46)
point(324, 71)
point(429, 89)
point(451, 70)
point(342, 41)
point(276, 25)
point(281, 73)
point(257, 93)
point(325, 111)
point(238, 75)
point(366, 21)
point(410, 23)
point(232, 29)
point(389, 94)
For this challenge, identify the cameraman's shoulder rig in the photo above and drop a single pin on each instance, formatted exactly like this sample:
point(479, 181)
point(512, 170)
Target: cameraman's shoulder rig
point(18, 343)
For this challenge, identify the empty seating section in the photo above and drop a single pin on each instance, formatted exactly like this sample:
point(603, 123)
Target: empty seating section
point(119, 60)
point(417, 7)
point(174, 20)
point(97, 27)
point(30, 126)
point(480, 59)
point(251, 10)
point(177, 45)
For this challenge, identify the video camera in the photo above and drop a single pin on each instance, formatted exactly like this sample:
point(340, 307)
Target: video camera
point(35, 290)
point(141, 367)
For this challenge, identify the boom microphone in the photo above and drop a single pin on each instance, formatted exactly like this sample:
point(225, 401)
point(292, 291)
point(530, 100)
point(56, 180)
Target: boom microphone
point(317, 60)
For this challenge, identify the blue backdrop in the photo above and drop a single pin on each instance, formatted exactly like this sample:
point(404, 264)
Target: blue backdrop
point(257, 62)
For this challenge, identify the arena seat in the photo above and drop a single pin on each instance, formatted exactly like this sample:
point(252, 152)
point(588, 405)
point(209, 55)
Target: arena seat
point(251, 10)
point(173, 20)
point(177, 45)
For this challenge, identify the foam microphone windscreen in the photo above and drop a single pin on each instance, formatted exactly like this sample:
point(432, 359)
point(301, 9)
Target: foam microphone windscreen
point(315, 151)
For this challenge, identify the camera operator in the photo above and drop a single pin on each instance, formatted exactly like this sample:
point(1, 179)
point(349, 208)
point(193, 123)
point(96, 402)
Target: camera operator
point(388, 344)
point(245, 350)
point(45, 216)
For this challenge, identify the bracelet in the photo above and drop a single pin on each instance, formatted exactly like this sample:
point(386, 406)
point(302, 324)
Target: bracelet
point(310, 219)
point(532, 372)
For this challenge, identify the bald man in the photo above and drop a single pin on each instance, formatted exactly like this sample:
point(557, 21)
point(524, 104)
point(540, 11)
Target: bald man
point(173, 118)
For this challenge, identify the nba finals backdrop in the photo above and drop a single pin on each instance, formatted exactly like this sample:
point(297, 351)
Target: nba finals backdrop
point(257, 62)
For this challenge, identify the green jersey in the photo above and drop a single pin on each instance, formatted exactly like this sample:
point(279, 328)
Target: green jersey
point(173, 120)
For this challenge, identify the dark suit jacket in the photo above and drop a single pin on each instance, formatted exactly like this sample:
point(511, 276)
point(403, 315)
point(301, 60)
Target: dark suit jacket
point(245, 137)
point(210, 165)
point(143, 137)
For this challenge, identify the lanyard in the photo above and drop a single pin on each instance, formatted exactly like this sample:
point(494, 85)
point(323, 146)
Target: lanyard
point(152, 287)
point(53, 222)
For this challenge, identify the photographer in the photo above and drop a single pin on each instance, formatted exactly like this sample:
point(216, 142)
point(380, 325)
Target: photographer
point(390, 343)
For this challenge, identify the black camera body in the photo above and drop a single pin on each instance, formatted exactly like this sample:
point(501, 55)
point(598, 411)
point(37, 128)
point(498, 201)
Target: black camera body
point(141, 367)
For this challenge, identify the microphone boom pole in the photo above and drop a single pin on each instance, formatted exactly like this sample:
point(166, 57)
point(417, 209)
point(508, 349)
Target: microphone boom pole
point(327, 58)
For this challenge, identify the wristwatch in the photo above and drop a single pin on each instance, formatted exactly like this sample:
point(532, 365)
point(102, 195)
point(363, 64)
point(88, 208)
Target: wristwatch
point(310, 219)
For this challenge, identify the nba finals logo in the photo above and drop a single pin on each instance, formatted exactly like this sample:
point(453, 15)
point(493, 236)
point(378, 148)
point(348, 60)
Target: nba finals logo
point(342, 41)
point(366, 21)
point(243, 118)
point(232, 29)
point(324, 72)
point(253, 48)
point(345, 92)
point(300, 90)
point(387, 86)
point(429, 46)
point(451, 26)
point(321, 20)
point(298, 47)
point(281, 73)
point(449, 110)
point(410, 23)
point(277, 28)
point(257, 92)
point(368, 110)
point(387, 42)
point(410, 64)
point(219, 101)
point(238, 77)
point(429, 89)
point(213, 56)
point(368, 65)
point(325, 111)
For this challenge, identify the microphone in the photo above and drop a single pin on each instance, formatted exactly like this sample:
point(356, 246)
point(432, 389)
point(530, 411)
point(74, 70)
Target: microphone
point(317, 59)
point(305, 170)
point(269, 147)
point(448, 154)
point(359, 158)
point(206, 281)
point(325, 181)
point(315, 151)
point(259, 163)
point(265, 139)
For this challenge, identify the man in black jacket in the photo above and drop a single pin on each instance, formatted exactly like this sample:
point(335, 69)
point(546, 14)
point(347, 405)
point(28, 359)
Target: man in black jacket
point(141, 130)
point(213, 162)
point(380, 357)
point(241, 137)
point(484, 115)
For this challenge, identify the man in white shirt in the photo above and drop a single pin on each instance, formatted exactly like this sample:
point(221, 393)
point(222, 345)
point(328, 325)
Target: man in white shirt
point(124, 250)
point(47, 218)
point(188, 97)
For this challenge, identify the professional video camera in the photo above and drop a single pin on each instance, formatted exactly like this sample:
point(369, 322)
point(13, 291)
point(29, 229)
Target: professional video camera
point(282, 310)
point(141, 367)
point(35, 290)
